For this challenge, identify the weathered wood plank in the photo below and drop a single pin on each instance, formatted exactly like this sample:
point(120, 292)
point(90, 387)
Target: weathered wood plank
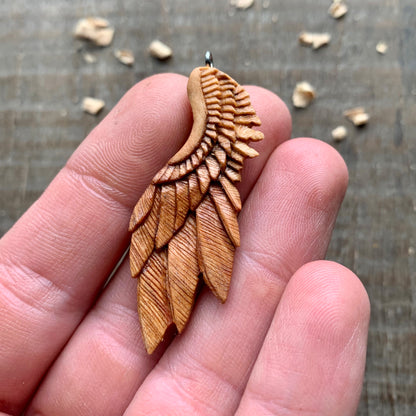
point(43, 78)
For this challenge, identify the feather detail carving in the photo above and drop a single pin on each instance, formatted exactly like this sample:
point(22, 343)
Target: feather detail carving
point(184, 227)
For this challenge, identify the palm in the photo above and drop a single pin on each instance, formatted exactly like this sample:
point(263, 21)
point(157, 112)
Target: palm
point(289, 340)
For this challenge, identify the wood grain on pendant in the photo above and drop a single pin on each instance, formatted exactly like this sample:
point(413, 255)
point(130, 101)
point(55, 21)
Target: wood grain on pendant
point(184, 226)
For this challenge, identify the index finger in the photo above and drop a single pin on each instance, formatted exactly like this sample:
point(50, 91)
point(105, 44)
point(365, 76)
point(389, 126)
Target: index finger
point(55, 259)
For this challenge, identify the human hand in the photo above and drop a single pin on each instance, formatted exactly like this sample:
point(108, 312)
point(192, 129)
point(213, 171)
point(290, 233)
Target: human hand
point(291, 338)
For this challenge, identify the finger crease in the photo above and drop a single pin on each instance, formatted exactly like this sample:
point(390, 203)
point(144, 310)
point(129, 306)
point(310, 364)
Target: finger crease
point(112, 322)
point(278, 406)
point(197, 372)
point(35, 290)
point(100, 188)
point(269, 263)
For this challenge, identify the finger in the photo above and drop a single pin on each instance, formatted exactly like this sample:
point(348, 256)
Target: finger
point(313, 357)
point(106, 347)
point(101, 368)
point(286, 222)
point(56, 258)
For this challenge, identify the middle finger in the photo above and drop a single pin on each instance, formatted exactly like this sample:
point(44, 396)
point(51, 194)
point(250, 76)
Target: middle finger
point(105, 362)
point(286, 222)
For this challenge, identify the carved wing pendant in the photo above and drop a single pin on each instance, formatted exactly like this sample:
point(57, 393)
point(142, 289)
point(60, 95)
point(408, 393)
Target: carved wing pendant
point(184, 226)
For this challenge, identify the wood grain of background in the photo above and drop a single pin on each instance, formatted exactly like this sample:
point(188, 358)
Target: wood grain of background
point(43, 77)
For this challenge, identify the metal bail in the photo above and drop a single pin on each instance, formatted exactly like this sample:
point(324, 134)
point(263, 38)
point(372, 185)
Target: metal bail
point(209, 61)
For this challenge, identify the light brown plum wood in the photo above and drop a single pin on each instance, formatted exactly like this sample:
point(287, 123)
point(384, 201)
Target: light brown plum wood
point(152, 299)
point(235, 165)
point(142, 208)
point(213, 166)
point(143, 239)
point(167, 215)
point(221, 156)
point(182, 203)
point(188, 214)
point(232, 193)
point(204, 178)
point(212, 240)
point(195, 194)
point(183, 261)
point(226, 212)
point(199, 113)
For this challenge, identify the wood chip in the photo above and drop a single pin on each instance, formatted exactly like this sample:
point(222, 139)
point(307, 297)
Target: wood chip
point(95, 29)
point(159, 50)
point(339, 133)
point(92, 105)
point(316, 40)
point(303, 95)
point(125, 56)
point(358, 116)
point(338, 9)
point(89, 58)
point(242, 4)
point(381, 48)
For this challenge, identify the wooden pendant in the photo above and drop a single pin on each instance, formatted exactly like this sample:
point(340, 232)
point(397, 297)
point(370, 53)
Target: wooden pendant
point(185, 224)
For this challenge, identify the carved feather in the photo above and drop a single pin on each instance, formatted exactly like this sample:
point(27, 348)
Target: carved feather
point(152, 300)
point(183, 261)
point(184, 227)
point(216, 251)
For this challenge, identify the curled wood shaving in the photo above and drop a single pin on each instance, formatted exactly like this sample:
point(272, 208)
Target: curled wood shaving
point(339, 133)
point(242, 4)
point(95, 29)
point(159, 50)
point(303, 95)
point(358, 116)
point(381, 48)
point(316, 40)
point(92, 105)
point(338, 9)
point(125, 56)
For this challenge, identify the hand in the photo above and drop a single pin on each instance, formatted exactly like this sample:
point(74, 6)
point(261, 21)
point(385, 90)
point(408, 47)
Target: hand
point(291, 338)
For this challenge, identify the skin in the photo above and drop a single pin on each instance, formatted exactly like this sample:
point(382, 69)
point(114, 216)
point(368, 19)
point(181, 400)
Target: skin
point(291, 338)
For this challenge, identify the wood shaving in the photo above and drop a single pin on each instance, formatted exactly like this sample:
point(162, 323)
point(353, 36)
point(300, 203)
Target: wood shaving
point(339, 133)
point(92, 105)
point(125, 56)
point(159, 50)
point(316, 40)
point(89, 58)
point(338, 9)
point(266, 4)
point(95, 29)
point(358, 116)
point(275, 18)
point(303, 95)
point(242, 4)
point(381, 48)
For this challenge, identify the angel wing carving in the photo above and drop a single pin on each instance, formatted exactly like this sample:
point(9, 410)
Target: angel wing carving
point(185, 224)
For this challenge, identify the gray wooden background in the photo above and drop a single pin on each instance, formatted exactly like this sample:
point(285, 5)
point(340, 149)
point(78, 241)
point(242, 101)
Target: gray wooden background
point(43, 77)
